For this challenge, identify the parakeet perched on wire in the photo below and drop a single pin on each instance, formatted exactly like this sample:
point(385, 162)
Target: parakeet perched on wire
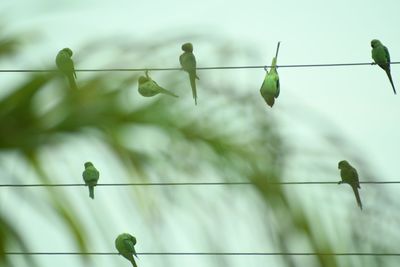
point(66, 66)
point(381, 56)
point(125, 244)
point(350, 176)
point(148, 87)
point(270, 88)
point(188, 63)
point(90, 176)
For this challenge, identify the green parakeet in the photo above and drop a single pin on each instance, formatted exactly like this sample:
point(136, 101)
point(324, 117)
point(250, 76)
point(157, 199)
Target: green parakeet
point(90, 176)
point(188, 63)
point(148, 87)
point(350, 176)
point(125, 244)
point(66, 66)
point(270, 88)
point(381, 56)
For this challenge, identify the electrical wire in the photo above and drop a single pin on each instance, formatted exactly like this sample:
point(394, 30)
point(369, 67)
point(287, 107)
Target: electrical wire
point(211, 253)
point(203, 68)
point(195, 184)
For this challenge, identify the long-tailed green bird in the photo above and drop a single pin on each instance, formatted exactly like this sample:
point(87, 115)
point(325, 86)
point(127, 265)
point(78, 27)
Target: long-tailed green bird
point(148, 87)
point(381, 56)
point(66, 66)
point(350, 176)
point(188, 63)
point(125, 244)
point(270, 88)
point(90, 176)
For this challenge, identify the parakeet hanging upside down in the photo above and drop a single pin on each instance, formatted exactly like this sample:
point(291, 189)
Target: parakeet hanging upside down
point(270, 88)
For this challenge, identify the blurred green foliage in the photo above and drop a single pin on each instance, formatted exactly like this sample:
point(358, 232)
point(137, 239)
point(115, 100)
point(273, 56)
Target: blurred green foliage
point(231, 136)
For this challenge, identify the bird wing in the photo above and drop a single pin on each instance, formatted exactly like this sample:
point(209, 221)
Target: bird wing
point(387, 55)
point(263, 84)
point(278, 87)
point(64, 63)
point(181, 59)
point(129, 246)
point(73, 69)
point(90, 175)
point(188, 61)
point(354, 175)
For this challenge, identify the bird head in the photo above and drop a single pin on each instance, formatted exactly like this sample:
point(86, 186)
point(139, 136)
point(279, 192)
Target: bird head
point(68, 51)
point(143, 79)
point(126, 236)
point(375, 43)
point(133, 239)
point(88, 164)
point(343, 164)
point(187, 47)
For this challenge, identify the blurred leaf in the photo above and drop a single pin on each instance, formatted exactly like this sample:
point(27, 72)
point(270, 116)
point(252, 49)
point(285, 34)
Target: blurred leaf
point(229, 137)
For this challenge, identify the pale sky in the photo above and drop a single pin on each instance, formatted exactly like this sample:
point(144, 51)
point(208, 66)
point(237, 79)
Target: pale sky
point(356, 102)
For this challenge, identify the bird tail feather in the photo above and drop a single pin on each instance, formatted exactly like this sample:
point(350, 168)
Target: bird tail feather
point(72, 82)
point(357, 196)
point(91, 192)
point(390, 79)
point(132, 260)
point(192, 77)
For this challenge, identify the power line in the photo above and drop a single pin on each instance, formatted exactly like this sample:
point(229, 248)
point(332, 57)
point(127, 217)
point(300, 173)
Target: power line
point(202, 68)
point(195, 184)
point(210, 253)
point(131, 184)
